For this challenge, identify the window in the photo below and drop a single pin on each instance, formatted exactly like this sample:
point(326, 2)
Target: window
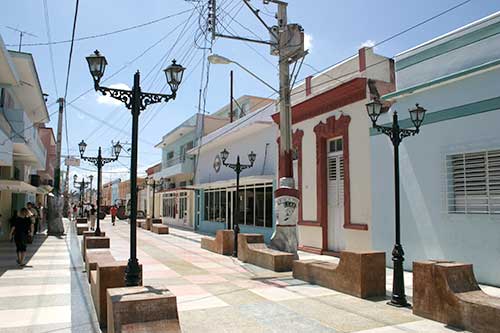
point(268, 206)
point(170, 155)
point(215, 205)
point(474, 183)
point(256, 205)
point(335, 145)
point(169, 205)
point(183, 205)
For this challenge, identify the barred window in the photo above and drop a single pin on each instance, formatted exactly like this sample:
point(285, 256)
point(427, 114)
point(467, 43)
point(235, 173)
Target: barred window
point(474, 183)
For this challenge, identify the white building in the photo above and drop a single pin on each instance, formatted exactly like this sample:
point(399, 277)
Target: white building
point(332, 152)
point(216, 183)
point(22, 153)
point(450, 171)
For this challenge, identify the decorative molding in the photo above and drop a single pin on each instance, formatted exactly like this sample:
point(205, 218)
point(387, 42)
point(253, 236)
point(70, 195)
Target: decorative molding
point(346, 93)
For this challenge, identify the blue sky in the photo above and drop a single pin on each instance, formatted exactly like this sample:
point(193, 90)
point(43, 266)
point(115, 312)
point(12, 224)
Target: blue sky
point(335, 29)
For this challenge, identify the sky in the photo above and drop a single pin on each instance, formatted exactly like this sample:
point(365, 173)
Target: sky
point(334, 30)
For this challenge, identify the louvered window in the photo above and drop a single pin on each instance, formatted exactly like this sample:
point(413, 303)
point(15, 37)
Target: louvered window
point(474, 183)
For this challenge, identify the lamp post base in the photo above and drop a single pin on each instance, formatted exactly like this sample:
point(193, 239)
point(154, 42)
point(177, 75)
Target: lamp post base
point(286, 204)
point(133, 273)
point(236, 232)
point(398, 298)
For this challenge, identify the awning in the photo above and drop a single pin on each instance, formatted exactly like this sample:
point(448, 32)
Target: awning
point(16, 186)
point(44, 189)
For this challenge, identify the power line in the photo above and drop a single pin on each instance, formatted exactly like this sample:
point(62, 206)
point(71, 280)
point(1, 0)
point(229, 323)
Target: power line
point(49, 38)
point(68, 72)
point(106, 33)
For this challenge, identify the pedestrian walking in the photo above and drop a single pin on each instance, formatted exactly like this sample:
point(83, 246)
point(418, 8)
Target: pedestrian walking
point(93, 214)
point(21, 230)
point(75, 212)
point(34, 216)
point(113, 210)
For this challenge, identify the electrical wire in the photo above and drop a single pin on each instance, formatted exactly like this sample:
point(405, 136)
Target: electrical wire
point(49, 38)
point(106, 33)
point(68, 72)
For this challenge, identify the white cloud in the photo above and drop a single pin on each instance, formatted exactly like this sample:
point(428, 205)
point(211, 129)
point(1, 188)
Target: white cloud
point(101, 99)
point(368, 43)
point(308, 41)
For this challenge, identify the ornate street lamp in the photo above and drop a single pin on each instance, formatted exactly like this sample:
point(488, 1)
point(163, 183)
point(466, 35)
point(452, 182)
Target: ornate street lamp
point(99, 162)
point(153, 183)
point(237, 167)
point(396, 135)
point(82, 185)
point(135, 100)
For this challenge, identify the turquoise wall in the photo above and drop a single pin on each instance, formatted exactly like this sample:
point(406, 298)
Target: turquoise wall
point(428, 230)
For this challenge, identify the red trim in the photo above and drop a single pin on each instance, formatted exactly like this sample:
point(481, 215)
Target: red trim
point(308, 223)
point(342, 95)
point(362, 59)
point(310, 249)
point(286, 191)
point(308, 85)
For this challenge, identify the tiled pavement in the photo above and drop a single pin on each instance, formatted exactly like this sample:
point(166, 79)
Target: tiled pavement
point(214, 293)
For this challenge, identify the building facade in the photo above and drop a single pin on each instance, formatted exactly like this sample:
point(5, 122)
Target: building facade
point(332, 152)
point(22, 152)
point(450, 171)
point(174, 202)
point(216, 184)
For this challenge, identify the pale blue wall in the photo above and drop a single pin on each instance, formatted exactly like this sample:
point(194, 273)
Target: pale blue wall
point(428, 230)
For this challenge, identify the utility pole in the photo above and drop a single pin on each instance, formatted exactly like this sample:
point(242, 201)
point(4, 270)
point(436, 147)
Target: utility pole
point(55, 225)
point(231, 110)
point(287, 43)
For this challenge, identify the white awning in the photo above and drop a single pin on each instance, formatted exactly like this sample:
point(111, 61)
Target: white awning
point(16, 186)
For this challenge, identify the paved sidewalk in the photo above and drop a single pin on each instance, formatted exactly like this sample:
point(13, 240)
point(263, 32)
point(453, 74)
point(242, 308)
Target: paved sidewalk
point(214, 293)
point(49, 294)
point(217, 293)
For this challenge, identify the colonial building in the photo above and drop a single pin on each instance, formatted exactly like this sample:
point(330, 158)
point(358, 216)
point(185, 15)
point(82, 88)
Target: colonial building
point(332, 152)
point(175, 202)
point(450, 171)
point(22, 152)
point(216, 184)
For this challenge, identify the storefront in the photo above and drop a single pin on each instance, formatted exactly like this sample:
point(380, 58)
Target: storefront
point(177, 207)
point(218, 200)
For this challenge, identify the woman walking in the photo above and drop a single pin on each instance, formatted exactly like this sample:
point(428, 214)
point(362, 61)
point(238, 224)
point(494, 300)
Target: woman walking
point(21, 230)
point(93, 212)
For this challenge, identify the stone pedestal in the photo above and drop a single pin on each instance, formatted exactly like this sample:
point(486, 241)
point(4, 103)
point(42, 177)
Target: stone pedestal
point(223, 243)
point(94, 256)
point(142, 309)
point(81, 220)
point(80, 228)
point(87, 234)
point(159, 229)
point(93, 242)
point(108, 275)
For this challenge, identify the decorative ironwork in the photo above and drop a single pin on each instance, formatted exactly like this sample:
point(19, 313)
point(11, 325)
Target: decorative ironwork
point(151, 98)
point(122, 95)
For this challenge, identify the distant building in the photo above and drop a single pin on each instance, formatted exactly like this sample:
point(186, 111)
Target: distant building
point(174, 202)
point(450, 171)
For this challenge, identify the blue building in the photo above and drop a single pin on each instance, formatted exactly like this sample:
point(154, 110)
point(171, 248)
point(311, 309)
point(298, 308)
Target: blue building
point(450, 171)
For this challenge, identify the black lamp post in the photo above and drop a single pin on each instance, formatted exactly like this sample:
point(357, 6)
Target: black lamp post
point(237, 167)
point(82, 185)
point(153, 183)
point(397, 134)
point(99, 161)
point(135, 100)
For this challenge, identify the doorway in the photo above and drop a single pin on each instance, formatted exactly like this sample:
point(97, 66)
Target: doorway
point(335, 173)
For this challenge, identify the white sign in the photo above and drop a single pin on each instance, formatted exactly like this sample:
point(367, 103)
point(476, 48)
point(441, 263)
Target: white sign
point(72, 161)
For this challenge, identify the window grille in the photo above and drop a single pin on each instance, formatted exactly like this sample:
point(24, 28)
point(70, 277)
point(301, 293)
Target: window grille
point(474, 183)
